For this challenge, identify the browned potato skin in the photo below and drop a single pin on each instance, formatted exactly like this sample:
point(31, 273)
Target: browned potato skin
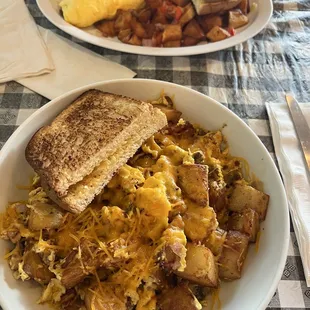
point(157, 39)
point(237, 19)
point(217, 34)
point(233, 255)
point(144, 15)
point(123, 21)
point(172, 33)
point(193, 180)
point(181, 3)
point(73, 271)
point(214, 7)
point(36, 269)
point(244, 6)
point(138, 29)
point(107, 28)
point(217, 197)
point(192, 29)
point(189, 41)
point(247, 197)
point(159, 18)
point(216, 241)
point(201, 267)
point(176, 43)
point(207, 22)
point(44, 217)
point(188, 14)
point(177, 298)
point(125, 35)
point(135, 40)
point(154, 4)
point(246, 222)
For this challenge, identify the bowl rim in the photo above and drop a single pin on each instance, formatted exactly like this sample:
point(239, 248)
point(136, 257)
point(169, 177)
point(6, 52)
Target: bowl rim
point(265, 301)
point(261, 17)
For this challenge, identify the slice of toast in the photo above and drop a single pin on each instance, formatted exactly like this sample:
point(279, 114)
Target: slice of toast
point(79, 152)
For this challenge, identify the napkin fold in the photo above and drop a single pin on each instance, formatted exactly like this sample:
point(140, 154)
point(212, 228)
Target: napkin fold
point(294, 174)
point(75, 66)
point(22, 51)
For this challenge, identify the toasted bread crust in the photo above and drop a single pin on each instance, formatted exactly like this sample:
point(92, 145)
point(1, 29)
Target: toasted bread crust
point(81, 194)
point(82, 136)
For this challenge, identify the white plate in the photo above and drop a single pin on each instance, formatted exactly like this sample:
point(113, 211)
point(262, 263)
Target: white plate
point(257, 21)
point(262, 270)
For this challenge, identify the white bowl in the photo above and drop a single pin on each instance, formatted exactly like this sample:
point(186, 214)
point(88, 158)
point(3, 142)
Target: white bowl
point(262, 269)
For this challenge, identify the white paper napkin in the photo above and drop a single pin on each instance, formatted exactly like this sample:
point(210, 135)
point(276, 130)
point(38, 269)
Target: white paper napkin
point(22, 51)
point(75, 66)
point(294, 173)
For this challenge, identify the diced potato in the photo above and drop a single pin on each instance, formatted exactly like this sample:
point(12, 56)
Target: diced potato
point(233, 255)
point(216, 241)
point(189, 41)
point(150, 30)
point(144, 15)
point(208, 7)
point(193, 180)
point(217, 195)
point(247, 197)
point(199, 222)
point(123, 21)
point(217, 34)
point(107, 28)
point(125, 35)
point(178, 298)
point(159, 18)
point(172, 256)
point(157, 39)
point(172, 33)
point(181, 2)
point(207, 22)
point(176, 43)
point(246, 222)
point(44, 217)
point(154, 4)
point(138, 29)
point(35, 268)
point(201, 267)
point(188, 14)
point(172, 115)
point(192, 29)
point(73, 272)
point(237, 19)
point(244, 6)
point(135, 40)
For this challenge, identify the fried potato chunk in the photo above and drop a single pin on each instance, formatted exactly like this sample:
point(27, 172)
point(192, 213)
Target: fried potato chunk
point(201, 267)
point(233, 255)
point(193, 180)
point(217, 34)
point(247, 197)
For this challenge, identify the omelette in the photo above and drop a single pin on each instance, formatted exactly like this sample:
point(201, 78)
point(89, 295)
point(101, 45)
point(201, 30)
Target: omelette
point(84, 13)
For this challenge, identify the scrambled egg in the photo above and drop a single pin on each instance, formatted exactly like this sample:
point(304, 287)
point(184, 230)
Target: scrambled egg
point(140, 222)
point(84, 13)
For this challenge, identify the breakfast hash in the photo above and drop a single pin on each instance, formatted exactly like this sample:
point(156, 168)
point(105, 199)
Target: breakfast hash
point(173, 222)
point(159, 23)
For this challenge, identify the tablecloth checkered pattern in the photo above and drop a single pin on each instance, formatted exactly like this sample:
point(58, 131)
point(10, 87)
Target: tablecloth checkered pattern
point(242, 78)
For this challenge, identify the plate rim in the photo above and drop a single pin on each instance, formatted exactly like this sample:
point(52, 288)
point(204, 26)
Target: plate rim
point(264, 13)
point(265, 301)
